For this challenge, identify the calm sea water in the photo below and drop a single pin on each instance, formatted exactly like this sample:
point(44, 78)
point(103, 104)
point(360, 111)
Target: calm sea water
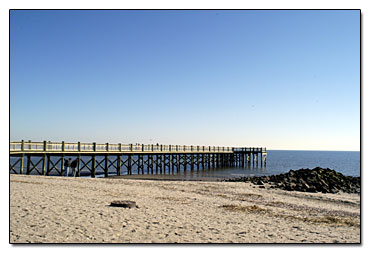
point(278, 161)
point(281, 161)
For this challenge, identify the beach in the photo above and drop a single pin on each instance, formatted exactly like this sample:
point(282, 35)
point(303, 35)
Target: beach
point(77, 210)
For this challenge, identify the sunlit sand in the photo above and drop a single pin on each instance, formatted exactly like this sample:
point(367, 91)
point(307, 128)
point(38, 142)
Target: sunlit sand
point(77, 210)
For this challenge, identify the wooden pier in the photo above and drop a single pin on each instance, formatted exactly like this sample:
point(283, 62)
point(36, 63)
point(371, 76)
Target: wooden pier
point(49, 158)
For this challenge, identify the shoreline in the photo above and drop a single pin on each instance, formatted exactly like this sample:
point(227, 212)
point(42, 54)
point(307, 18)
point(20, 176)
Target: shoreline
point(167, 177)
point(77, 210)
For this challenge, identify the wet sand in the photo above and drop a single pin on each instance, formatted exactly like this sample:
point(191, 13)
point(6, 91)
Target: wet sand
point(77, 210)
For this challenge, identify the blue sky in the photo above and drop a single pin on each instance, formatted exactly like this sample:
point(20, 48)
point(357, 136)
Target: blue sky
point(277, 79)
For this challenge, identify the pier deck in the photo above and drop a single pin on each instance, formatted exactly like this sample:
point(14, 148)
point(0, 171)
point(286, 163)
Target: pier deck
point(50, 158)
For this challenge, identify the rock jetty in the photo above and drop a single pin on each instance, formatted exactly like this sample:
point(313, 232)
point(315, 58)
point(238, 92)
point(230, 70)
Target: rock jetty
point(307, 180)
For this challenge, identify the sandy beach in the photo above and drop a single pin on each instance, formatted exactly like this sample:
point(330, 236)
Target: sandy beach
point(77, 210)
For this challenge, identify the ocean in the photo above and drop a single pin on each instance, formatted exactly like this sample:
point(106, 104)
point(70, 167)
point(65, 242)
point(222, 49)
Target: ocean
point(282, 161)
point(278, 161)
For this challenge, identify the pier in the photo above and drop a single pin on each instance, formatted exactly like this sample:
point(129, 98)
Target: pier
point(48, 158)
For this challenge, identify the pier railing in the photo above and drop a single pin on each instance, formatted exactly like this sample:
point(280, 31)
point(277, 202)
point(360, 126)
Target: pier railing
point(252, 150)
point(46, 146)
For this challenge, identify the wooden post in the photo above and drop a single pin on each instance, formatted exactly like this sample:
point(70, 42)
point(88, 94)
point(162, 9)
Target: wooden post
point(178, 162)
point(118, 165)
point(21, 168)
point(119, 147)
point(131, 147)
point(171, 158)
point(130, 163)
point(261, 159)
point(138, 164)
point(156, 163)
point(22, 156)
point(63, 159)
point(44, 165)
point(197, 160)
point(28, 164)
point(44, 158)
point(93, 172)
point(48, 165)
point(151, 162)
point(192, 160)
point(62, 164)
point(184, 162)
point(143, 162)
point(213, 160)
point(148, 164)
point(106, 165)
point(78, 165)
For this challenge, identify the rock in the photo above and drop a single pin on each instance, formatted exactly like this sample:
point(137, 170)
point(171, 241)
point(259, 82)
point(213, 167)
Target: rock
point(124, 203)
point(307, 180)
point(259, 182)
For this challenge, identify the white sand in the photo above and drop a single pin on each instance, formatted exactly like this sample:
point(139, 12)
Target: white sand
point(76, 210)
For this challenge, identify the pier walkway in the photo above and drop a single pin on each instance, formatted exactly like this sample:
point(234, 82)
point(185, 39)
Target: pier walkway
point(49, 158)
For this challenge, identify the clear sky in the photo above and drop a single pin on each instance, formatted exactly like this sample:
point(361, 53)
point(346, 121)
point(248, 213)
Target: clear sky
point(276, 79)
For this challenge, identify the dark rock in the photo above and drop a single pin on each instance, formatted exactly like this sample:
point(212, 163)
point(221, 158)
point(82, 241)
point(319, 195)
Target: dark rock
point(259, 182)
point(307, 180)
point(124, 203)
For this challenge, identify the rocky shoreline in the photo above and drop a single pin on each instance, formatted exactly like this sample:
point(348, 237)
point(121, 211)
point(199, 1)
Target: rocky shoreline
point(307, 180)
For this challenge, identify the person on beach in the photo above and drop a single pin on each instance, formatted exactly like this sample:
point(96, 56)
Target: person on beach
point(67, 164)
point(73, 166)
